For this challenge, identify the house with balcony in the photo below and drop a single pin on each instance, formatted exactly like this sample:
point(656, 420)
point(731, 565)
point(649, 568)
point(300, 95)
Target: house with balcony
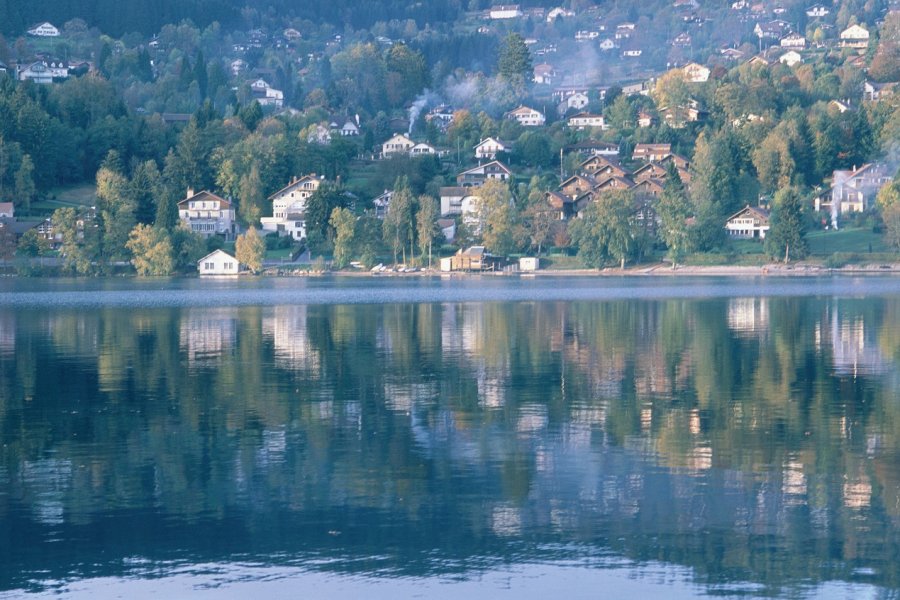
point(207, 214)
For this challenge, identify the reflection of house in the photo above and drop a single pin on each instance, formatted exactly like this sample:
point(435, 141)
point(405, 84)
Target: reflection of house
point(207, 214)
point(289, 207)
point(206, 334)
point(218, 262)
point(748, 223)
point(286, 326)
point(748, 315)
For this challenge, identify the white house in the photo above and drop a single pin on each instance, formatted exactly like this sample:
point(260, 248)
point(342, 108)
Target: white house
point(607, 44)
point(489, 147)
point(382, 203)
point(218, 262)
point(790, 58)
point(577, 101)
point(505, 11)
point(528, 117)
point(582, 120)
point(458, 200)
point(422, 149)
point(266, 95)
point(632, 53)
point(793, 41)
point(207, 214)
point(289, 207)
point(44, 30)
point(7, 210)
point(544, 73)
point(748, 223)
point(44, 72)
point(817, 11)
point(696, 73)
point(855, 36)
point(398, 144)
point(349, 129)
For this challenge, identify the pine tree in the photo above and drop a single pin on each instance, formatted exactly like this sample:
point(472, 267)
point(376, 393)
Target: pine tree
point(787, 234)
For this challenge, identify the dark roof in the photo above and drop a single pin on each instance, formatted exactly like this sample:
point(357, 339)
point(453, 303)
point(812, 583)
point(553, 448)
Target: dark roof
point(208, 196)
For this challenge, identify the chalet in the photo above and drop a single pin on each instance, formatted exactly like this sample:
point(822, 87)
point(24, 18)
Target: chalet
point(544, 74)
point(651, 152)
point(15, 229)
point(266, 95)
point(476, 176)
point(563, 92)
point(790, 58)
point(759, 61)
point(422, 149)
point(448, 229)
point(527, 117)
point(557, 13)
point(382, 203)
point(682, 40)
point(731, 54)
point(289, 207)
point(601, 167)
point(207, 214)
point(793, 41)
point(818, 11)
point(291, 34)
point(853, 190)
point(696, 73)
point(651, 170)
point(455, 198)
point(576, 185)
point(873, 92)
point(607, 44)
point(488, 148)
point(576, 101)
point(218, 262)
point(44, 71)
point(349, 129)
point(7, 210)
point(583, 120)
point(855, 36)
point(773, 30)
point(398, 144)
point(645, 119)
point(563, 206)
point(476, 258)
point(614, 183)
point(504, 11)
point(651, 187)
point(681, 163)
point(44, 30)
point(748, 223)
point(440, 116)
point(595, 148)
point(633, 89)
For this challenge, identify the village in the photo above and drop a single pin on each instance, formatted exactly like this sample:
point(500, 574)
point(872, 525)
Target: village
point(697, 151)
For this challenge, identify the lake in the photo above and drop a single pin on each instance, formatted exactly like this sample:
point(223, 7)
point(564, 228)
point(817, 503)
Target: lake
point(437, 438)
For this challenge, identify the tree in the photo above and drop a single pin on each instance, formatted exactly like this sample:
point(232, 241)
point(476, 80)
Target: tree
point(399, 222)
point(318, 211)
point(144, 189)
point(250, 249)
point(891, 216)
point(426, 224)
point(787, 233)
point(251, 115)
point(33, 244)
point(672, 92)
point(514, 64)
point(116, 211)
point(166, 209)
point(24, 185)
point(252, 196)
point(674, 209)
point(151, 250)
point(497, 216)
point(80, 235)
point(604, 232)
point(343, 221)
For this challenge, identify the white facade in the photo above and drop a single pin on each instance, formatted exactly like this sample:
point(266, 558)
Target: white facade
point(790, 58)
point(399, 144)
point(527, 117)
point(582, 120)
point(422, 149)
point(266, 95)
point(349, 129)
point(505, 11)
point(207, 214)
point(44, 30)
point(218, 263)
point(696, 73)
point(289, 207)
point(44, 72)
point(855, 36)
point(488, 149)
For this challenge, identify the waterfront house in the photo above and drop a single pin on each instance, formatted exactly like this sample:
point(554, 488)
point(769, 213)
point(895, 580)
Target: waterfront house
point(207, 214)
point(748, 223)
point(218, 262)
point(289, 207)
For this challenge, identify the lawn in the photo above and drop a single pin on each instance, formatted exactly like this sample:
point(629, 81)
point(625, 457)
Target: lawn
point(850, 240)
point(83, 194)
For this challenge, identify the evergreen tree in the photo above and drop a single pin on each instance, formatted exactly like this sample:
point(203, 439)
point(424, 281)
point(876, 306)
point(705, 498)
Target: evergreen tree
point(787, 234)
point(674, 209)
point(514, 64)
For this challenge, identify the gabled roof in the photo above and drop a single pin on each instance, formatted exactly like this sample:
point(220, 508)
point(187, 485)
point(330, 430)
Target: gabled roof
point(483, 168)
point(208, 197)
point(762, 213)
point(215, 253)
point(491, 139)
point(295, 183)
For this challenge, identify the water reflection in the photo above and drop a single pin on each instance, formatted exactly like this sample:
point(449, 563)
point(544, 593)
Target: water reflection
point(750, 441)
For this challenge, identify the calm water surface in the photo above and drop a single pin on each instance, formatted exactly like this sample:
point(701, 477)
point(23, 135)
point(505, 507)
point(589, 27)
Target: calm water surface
point(483, 438)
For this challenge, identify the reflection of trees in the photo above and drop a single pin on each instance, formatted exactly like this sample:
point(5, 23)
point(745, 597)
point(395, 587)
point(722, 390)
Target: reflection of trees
point(690, 431)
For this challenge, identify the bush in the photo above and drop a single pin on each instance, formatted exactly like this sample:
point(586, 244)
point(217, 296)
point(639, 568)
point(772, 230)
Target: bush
point(839, 259)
